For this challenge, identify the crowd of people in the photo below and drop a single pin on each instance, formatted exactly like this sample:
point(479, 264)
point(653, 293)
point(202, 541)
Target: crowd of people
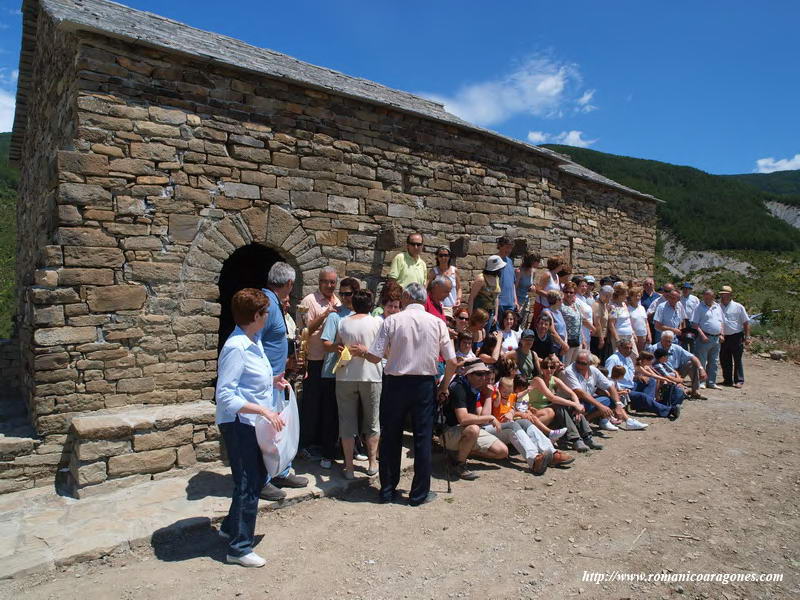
point(534, 358)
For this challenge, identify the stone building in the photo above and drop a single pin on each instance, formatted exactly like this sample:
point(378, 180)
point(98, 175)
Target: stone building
point(163, 167)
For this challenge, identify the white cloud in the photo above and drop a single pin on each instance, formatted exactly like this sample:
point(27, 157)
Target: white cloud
point(542, 87)
point(570, 138)
point(7, 103)
point(770, 165)
point(585, 102)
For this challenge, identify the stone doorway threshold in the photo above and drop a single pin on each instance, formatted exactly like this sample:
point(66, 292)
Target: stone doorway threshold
point(41, 531)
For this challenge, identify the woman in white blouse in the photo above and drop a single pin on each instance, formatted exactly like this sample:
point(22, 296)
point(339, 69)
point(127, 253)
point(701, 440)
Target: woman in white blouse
point(619, 317)
point(244, 393)
point(639, 322)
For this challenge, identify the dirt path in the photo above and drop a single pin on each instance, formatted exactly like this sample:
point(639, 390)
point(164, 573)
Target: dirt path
point(715, 492)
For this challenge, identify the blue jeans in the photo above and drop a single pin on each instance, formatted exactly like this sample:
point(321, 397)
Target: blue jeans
point(708, 354)
point(249, 473)
point(604, 400)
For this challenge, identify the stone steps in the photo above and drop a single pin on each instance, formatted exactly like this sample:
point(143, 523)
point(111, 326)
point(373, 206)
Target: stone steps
point(131, 445)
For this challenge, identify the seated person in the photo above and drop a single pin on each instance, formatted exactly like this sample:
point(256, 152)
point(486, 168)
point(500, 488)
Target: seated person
point(682, 361)
point(464, 433)
point(622, 360)
point(522, 409)
point(491, 348)
point(584, 379)
point(671, 391)
point(648, 383)
point(547, 342)
point(527, 359)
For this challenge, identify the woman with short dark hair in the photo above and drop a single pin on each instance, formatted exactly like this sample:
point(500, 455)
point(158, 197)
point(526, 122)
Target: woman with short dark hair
point(244, 393)
point(358, 384)
point(445, 267)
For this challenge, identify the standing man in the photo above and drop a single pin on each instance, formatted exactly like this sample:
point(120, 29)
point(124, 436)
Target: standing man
point(280, 281)
point(508, 291)
point(708, 321)
point(417, 339)
point(736, 329)
point(669, 315)
point(318, 305)
point(690, 303)
point(587, 296)
point(649, 295)
point(408, 267)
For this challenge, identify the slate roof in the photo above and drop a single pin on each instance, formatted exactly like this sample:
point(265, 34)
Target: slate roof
point(121, 22)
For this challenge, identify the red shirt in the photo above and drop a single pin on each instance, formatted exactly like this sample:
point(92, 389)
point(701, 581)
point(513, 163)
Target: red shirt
point(435, 309)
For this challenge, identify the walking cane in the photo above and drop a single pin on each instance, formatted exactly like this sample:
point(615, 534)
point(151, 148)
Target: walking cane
point(440, 418)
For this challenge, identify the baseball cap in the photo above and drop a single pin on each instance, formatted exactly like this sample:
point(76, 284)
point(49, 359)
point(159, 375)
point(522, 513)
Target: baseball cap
point(589, 279)
point(726, 289)
point(475, 366)
point(687, 285)
point(528, 334)
point(494, 263)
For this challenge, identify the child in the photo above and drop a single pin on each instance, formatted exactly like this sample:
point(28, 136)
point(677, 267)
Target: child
point(617, 375)
point(672, 391)
point(464, 350)
point(519, 400)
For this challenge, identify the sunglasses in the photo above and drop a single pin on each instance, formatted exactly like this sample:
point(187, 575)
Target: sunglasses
point(582, 363)
point(462, 318)
point(443, 255)
point(415, 244)
point(346, 294)
point(569, 293)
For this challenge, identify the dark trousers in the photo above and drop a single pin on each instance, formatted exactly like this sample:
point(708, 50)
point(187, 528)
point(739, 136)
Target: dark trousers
point(401, 395)
point(601, 353)
point(641, 402)
point(249, 474)
point(730, 358)
point(309, 406)
point(577, 426)
point(329, 418)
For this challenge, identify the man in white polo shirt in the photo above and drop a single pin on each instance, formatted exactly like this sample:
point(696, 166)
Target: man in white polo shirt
point(736, 329)
point(707, 319)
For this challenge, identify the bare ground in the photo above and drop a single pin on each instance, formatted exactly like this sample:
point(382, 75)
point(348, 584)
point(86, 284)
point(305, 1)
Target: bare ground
point(714, 492)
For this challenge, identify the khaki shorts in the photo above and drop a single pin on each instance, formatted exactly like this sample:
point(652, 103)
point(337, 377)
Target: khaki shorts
point(350, 395)
point(452, 435)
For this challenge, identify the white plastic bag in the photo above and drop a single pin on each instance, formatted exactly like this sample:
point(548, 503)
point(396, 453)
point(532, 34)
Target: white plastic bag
point(279, 447)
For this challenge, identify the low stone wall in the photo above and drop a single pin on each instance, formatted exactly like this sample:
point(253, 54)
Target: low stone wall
point(112, 451)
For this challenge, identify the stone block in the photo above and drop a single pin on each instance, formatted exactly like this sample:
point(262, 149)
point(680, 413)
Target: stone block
point(116, 297)
point(341, 204)
point(183, 228)
point(82, 194)
point(186, 456)
point(309, 200)
point(177, 436)
point(85, 276)
point(84, 236)
point(86, 256)
point(96, 450)
point(46, 278)
point(168, 116)
point(101, 427)
point(241, 190)
point(82, 163)
point(208, 451)
point(54, 336)
point(153, 151)
point(127, 205)
point(152, 461)
point(256, 219)
point(69, 215)
point(90, 474)
point(135, 386)
point(153, 272)
point(144, 242)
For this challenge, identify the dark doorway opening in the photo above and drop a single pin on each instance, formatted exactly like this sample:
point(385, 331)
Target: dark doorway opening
point(247, 267)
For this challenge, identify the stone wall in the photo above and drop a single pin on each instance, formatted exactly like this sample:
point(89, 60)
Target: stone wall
point(174, 164)
point(9, 364)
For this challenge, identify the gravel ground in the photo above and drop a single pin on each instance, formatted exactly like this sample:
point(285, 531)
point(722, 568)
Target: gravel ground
point(714, 492)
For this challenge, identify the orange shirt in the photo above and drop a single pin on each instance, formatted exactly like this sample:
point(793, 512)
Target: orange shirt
point(501, 407)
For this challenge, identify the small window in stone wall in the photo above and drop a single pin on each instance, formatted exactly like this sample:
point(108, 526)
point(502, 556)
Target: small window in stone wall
point(247, 267)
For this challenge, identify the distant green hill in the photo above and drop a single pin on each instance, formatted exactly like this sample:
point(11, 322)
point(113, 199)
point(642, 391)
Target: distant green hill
point(781, 182)
point(707, 212)
point(8, 200)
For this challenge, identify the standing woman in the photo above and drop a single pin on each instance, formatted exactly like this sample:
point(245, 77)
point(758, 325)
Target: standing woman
point(244, 392)
point(573, 318)
point(639, 322)
point(485, 291)
point(526, 289)
point(619, 317)
point(445, 267)
point(548, 281)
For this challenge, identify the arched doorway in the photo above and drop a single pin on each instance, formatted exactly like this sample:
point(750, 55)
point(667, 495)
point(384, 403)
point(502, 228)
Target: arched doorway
point(247, 267)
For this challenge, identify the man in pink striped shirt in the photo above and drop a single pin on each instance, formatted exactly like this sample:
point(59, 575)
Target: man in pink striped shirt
point(416, 339)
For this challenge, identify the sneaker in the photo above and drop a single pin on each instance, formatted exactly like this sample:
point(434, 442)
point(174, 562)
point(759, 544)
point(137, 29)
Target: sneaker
point(326, 463)
point(540, 463)
point(633, 425)
point(272, 493)
point(592, 444)
point(738, 385)
point(290, 481)
point(607, 425)
point(712, 386)
point(580, 446)
point(310, 454)
point(464, 473)
point(674, 413)
point(561, 459)
point(696, 396)
point(248, 560)
point(557, 434)
point(702, 385)
point(359, 456)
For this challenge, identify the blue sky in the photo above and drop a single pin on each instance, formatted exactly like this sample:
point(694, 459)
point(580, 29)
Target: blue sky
point(712, 84)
